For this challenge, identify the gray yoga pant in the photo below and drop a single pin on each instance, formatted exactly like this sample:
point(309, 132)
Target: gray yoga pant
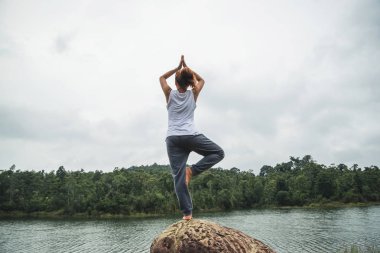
point(179, 148)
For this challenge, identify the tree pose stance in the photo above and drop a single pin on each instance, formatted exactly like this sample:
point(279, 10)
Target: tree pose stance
point(182, 136)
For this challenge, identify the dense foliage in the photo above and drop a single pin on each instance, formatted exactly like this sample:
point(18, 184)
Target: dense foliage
point(149, 189)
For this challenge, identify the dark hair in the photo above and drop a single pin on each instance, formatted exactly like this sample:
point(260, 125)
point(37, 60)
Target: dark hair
point(184, 77)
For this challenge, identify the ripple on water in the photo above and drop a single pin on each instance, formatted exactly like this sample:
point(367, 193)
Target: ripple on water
point(294, 230)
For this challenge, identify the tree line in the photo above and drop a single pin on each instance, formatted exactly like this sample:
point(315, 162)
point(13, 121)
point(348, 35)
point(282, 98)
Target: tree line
point(149, 189)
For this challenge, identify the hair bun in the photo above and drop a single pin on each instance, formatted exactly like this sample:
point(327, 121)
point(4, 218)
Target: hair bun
point(185, 77)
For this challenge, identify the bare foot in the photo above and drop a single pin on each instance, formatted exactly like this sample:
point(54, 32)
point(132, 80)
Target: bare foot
point(189, 174)
point(187, 217)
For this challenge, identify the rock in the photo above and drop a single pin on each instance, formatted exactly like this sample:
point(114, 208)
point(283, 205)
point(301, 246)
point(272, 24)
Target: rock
point(200, 236)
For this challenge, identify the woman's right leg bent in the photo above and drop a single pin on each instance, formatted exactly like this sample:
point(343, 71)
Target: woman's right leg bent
point(211, 152)
point(178, 155)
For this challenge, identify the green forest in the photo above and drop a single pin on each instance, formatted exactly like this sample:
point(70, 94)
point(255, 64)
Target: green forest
point(149, 189)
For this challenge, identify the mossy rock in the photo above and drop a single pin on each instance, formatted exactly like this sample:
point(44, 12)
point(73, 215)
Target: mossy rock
point(200, 236)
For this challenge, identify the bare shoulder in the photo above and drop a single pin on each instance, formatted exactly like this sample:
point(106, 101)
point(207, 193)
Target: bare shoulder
point(198, 88)
point(165, 88)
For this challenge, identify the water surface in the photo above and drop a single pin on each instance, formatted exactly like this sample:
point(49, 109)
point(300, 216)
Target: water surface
point(289, 230)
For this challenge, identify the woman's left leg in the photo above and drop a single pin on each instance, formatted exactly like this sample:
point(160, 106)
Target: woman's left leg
point(178, 156)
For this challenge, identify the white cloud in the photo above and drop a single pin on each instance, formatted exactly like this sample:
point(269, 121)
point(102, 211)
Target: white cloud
point(79, 80)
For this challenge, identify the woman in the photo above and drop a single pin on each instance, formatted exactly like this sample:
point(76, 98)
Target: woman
point(182, 136)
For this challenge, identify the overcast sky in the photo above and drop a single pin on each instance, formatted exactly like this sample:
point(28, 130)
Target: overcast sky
point(79, 80)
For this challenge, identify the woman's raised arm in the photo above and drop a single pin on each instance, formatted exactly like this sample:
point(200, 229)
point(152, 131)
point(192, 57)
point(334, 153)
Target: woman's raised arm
point(198, 85)
point(200, 81)
point(164, 85)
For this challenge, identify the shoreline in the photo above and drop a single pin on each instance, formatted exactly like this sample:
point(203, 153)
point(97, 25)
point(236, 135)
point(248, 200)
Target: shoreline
point(60, 215)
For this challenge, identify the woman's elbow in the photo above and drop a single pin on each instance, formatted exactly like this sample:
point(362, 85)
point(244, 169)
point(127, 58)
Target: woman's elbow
point(162, 79)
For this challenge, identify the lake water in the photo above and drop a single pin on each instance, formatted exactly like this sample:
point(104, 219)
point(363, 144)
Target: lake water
point(290, 230)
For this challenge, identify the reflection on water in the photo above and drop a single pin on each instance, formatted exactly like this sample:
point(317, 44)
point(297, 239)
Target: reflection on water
point(291, 230)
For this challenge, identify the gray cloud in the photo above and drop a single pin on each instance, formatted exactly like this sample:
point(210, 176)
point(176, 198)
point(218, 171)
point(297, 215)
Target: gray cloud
point(62, 43)
point(24, 123)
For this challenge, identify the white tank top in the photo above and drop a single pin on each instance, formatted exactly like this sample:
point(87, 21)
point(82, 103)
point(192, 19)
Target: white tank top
point(181, 108)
